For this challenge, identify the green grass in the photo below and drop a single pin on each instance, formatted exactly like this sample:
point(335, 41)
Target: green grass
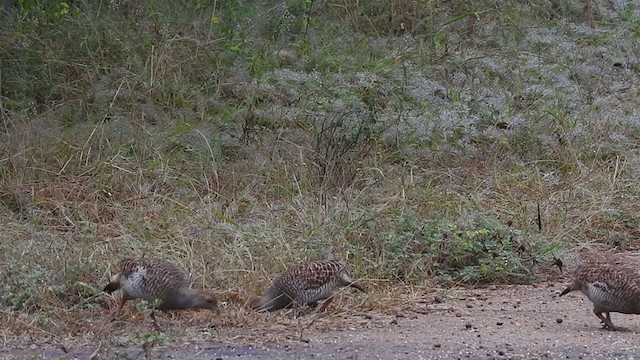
point(413, 139)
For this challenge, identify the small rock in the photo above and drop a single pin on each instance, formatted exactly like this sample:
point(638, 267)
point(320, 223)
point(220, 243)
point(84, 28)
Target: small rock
point(493, 287)
point(469, 306)
point(458, 314)
point(438, 299)
point(394, 322)
point(499, 323)
point(468, 325)
point(500, 352)
point(559, 320)
point(437, 345)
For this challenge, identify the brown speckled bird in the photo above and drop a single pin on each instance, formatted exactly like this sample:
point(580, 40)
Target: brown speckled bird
point(154, 280)
point(305, 284)
point(610, 287)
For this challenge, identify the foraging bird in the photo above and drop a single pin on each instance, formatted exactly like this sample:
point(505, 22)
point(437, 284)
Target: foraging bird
point(305, 284)
point(610, 287)
point(154, 280)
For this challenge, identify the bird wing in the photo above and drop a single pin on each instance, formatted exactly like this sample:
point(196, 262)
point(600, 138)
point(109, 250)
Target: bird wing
point(611, 278)
point(317, 274)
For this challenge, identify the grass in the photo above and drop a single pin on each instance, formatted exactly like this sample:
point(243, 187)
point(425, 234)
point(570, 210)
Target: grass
point(414, 139)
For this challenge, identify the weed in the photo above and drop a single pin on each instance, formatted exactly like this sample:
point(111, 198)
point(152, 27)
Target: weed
point(484, 251)
point(149, 340)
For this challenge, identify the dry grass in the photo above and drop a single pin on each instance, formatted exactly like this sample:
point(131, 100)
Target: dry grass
point(415, 140)
point(82, 331)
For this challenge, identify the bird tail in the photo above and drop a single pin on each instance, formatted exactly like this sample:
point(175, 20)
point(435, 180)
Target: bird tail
point(113, 285)
point(569, 289)
point(271, 301)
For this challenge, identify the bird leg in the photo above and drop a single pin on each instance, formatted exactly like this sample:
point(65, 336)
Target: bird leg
point(297, 305)
point(606, 321)
point(119, 310)
point(325, 304)
point(155, 322)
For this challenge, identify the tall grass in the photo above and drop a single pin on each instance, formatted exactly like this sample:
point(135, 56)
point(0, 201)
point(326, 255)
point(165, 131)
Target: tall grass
point(414, 139)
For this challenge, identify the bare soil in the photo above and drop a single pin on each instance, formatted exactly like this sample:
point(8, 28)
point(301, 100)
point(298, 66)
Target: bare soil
point(511, 322)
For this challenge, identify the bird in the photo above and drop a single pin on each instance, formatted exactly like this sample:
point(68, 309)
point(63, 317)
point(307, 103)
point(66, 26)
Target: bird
point(305, 284)
point(159, 282)
point(610, 287)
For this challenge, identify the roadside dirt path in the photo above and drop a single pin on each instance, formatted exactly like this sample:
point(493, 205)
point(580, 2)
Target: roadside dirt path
point(510, 322)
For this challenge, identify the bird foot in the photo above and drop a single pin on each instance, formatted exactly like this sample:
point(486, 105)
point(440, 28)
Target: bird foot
point(325, 305)
point(156, 326)
point(615, 328)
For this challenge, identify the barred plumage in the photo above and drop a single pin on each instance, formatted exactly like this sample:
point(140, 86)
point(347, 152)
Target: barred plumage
point(610, 287)
point(154, 279)
point(305, 284)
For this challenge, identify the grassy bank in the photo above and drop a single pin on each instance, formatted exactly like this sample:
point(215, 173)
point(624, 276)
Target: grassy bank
point(416, 139)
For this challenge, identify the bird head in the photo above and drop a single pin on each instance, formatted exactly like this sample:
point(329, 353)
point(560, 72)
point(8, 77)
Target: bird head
point(256, 303)
point(205, 300)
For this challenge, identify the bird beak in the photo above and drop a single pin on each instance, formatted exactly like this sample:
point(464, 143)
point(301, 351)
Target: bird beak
point(557, 262)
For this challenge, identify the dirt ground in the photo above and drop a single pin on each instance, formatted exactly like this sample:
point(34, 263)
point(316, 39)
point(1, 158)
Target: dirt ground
point(510, 322)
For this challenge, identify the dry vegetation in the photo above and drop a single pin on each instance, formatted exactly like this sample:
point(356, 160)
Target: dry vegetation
point(415, 139)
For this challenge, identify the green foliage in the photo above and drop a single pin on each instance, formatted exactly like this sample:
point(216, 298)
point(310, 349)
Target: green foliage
point(232, 19)
point(35, 277)
point(484, 251)
point(23, 287)
point(148, 340)
point(50, 11)
point(152, 338)
point(142, 305)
